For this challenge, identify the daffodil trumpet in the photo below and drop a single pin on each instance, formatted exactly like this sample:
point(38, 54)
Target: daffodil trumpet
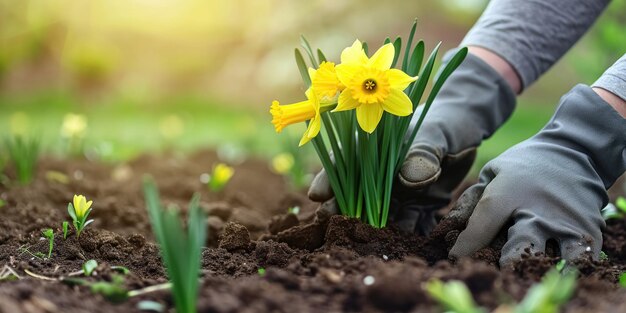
point(79, 210)
point(365, 105)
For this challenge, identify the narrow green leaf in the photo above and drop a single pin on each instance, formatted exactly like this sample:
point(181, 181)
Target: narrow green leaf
point(365, 47)
point(397, 45)
point(307, 48)
point(407, 49)
point(321, 56)
point(417, 57)
point(304, 72)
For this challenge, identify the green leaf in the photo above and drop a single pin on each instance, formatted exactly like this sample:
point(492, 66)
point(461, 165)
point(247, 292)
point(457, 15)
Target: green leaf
point(622, 280)
point(307, 48)
point(417, 57)
point(304, 72)
point(89, 267)
point(397, 44)
point(65, 229)
point(321, 56)
point(365, 47)
point(407, 49)
point(453, 296)
point(122, 269)
point(71, 212)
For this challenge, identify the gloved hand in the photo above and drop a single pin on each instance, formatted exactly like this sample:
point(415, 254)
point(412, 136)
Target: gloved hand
point(552, 186)
point(472, 104)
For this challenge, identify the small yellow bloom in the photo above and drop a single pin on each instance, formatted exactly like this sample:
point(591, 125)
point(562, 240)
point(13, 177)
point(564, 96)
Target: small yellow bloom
point(74, 126)
point(282, 163)
point(171, 127)
point(372, 86)
point(81, 206)
point(222, 173)
point(308, 110)
point(19, 124)
point(325, 82)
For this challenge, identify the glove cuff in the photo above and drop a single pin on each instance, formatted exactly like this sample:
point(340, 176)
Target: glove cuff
point(585, 123)
point(471, 106)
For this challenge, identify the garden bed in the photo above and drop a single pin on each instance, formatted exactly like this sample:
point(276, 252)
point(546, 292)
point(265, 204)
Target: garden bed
point(259, 258)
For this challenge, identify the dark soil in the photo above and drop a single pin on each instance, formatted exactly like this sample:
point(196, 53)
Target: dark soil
point(313, 263)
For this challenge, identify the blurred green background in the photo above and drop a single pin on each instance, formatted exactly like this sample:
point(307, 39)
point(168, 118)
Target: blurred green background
point(155, 75)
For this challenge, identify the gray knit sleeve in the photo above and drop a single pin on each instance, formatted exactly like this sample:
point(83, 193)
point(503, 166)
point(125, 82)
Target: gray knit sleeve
point(533, 34)
point(614, 78)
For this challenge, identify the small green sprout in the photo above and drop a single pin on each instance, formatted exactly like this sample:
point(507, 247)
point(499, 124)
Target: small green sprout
point(295, 210)
point(181, 251)
point(79, 211)
point(261, 271)
point(560, 265)
point(453, 296)
point(622, 280)
point(554, 290)
point(122, 269)
point(49, 234)
point(26, 249)
point(23, 154)
point(66, 226)
point(2, 203)
point(220, 176)
point(89, 267)
point(603, 256)
point(615, 211)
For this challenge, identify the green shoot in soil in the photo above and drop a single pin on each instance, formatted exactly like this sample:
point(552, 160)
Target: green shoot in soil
point(548, 296)
point(49, 234)
point(622, 280)
point(615, 211)
point(180, 250)
point(66, 225)
point(79, 210)
point(23, 154)
point(89, 267)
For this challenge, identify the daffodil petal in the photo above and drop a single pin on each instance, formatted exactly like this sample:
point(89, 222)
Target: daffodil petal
point(312, 73)
point(399, 79)
point(368, 116)
point(88, 205)
point(345, 72)
point(346, 101)
point(312, 130)
point(383, 58)
point(354, 54)
point(397, 103)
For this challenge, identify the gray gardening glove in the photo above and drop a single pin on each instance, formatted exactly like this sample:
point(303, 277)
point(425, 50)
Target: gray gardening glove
point(472, 104)
point(551, 186)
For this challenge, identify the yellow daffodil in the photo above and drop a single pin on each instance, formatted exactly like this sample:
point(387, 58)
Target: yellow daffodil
point(74, 126)
point(79, 210)
point(372, 86)
point(308, 110)
point(222, 173)
point(325, 82)
point(81, 205)
point(283, 163)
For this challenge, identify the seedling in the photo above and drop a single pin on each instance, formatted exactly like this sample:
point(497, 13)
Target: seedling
point(548, 296)
point(79, 211)
point(453, 296)
point(2, 203)
point(220, 176)
point(261, 271)
point(66, 226)
point(49, 234)
point(23, 153)
point(294, 210)
point(180, 250)
point(560, 265)
point(622, 280)
point(603, 256)
point(26, 249)
point(615, 211)
point(89, 267)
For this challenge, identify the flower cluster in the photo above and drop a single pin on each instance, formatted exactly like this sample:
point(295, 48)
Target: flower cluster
point(368, 85)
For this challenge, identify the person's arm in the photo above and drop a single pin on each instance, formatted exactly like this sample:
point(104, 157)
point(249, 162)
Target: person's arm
point(611, 86)
point(530, 35)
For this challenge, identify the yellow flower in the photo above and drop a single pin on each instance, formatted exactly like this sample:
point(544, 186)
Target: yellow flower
point(282, 163)
point(81, 206)
point(172, 127)
point(325, 82)
point(74, 126)
point(308, 110)
point(222, 173)
point(372, 86)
